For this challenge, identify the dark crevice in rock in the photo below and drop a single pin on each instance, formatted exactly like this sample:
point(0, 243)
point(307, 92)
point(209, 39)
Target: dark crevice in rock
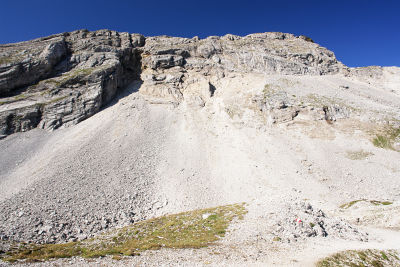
point(327, 117)
point(118, 80)
point(212, 89)
point(21, 120)
point(10, 124)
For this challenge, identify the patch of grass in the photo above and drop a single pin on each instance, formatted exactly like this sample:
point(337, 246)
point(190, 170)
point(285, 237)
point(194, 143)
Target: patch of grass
point(45, 92)
point(15, 98)
point(7, 59)
point(183, 230)
point(11, 57)
point(117, 257)
point(382, 142)
point(312, 224)
point(375, 202)
point(384, 256)
point(56, 99)
point(362, 255)
point(269, 90)
point(60, 81)
point(358, 155)
point(361, 258)
point(351, 203)
point(387, 138)
point(276, 239)
point(20, 97)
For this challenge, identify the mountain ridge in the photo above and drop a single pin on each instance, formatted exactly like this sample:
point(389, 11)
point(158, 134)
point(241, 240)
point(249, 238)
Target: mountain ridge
point(62, 79)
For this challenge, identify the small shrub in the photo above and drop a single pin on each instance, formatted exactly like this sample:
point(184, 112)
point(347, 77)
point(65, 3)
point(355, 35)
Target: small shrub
point(308, 39)
point(381, 141)
point(276, 239)
point(387, 138)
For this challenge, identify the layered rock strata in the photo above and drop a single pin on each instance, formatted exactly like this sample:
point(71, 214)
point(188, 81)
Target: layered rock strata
point(63, 79)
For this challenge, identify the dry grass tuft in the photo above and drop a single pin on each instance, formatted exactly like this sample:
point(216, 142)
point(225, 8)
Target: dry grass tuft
point(386, 139)
point(375, 202)
point(358, 155)
point(362, 258)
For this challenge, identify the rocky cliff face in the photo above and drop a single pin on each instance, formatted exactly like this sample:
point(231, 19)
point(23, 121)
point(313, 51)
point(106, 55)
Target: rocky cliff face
point(63, 79)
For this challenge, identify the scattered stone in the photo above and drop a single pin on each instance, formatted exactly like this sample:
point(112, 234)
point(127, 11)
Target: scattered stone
point(299, 221)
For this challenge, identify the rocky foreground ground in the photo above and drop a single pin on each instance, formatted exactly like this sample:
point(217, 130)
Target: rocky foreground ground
point(104, 129)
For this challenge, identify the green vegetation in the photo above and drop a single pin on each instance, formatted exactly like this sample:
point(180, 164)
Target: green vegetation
point(361, 258)
point(387, 138)
point(270, 89)
point(192, 229)
point(15, 98)
point(25, 96)
point(276, 239)
point(54, 100)
point(375, 202)
point(9, 59)
point(20, 97)
point(358, 155)
point(79, 73)
point(45, 92)
point(6, 60)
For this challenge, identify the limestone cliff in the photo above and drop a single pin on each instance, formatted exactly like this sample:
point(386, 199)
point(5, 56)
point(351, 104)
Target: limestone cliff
point(63, 79)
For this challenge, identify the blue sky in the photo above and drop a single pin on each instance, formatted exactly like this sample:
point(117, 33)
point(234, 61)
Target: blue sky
point(360, 32)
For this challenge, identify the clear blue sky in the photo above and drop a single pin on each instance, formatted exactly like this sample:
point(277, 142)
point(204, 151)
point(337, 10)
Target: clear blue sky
point(360, 32)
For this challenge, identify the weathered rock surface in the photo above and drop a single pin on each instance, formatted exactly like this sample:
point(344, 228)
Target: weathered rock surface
point(28, 62)
point(171, 64)
point(63, 79)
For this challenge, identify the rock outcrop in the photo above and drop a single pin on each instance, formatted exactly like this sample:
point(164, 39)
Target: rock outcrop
point(63, 79)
